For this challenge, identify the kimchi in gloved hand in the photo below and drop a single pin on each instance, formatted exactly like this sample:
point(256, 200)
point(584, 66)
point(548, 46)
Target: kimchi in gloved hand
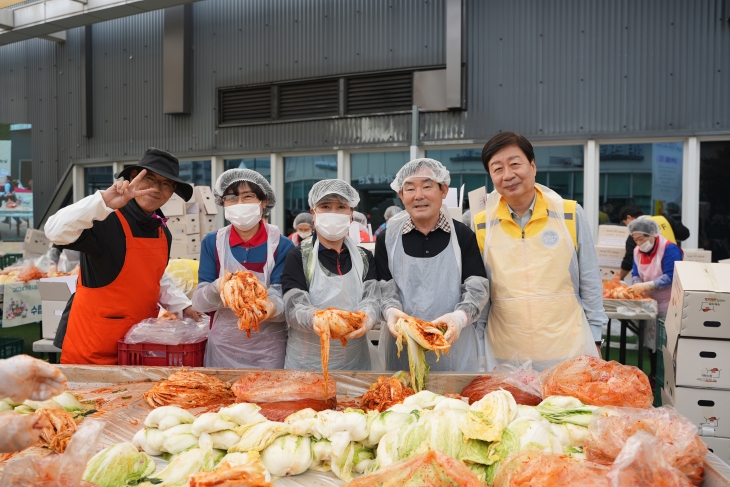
point(420, 336)
point(246, 297)
point(335, 324)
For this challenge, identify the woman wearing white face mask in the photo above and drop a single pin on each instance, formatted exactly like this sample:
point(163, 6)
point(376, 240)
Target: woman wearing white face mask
point(303, 225)
point(654, 258)
point(247, 244)
point(328, 270)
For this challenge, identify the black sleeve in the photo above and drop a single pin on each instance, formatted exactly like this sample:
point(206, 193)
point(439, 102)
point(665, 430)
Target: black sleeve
point(372, 270)
point(681, 233)
point(381, 258)
point(96, 240)
point(471, 259)
point(628, 262)
point(292, 277)
point(55, 254)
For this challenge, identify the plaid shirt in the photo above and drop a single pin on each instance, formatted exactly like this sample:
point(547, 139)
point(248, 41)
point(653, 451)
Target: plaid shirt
point(443, 224)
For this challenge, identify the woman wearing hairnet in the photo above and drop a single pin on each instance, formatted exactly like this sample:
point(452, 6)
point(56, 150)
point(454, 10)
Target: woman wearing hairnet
point(329, 271)
point(362, 222)
point(247, 244)
point(303, 225)
point(654, 258)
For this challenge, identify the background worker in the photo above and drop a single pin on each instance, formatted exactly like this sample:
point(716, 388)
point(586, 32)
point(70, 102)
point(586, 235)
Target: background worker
point(125, 247)
point(390, 212)
point(329, 271)
point(669, 228)
point(653, 266)
point(246, 244)
point(432, 268)
point(362, 222)
point(303, 226)
point(546, 302)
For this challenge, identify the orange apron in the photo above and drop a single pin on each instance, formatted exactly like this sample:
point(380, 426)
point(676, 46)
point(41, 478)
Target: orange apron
point(100, 317)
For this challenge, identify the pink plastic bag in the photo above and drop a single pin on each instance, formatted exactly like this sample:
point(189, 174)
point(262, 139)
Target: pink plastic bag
point(521, 381)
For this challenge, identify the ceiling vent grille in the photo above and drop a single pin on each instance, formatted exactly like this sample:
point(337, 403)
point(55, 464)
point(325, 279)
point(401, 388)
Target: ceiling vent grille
point(309, 100)
point(245, 105)
point(382, 93)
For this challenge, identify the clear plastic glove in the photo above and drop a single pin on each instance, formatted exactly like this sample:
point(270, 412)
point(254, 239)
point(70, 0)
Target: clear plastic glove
point(311, 322)
point(23, 377)
point(641, 287)
point(456, 322)
point(367, 325)
point(270, 309)
point(392, 315)
point(19, 431)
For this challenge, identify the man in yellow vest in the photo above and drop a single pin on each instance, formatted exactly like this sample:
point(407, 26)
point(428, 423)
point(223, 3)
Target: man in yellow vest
point(546, 300)
point(669, 228)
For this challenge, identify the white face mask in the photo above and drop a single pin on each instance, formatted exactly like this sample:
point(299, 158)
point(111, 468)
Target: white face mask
point(304, 235)
point(332, 226)
point(244, 216)
point(646, 246)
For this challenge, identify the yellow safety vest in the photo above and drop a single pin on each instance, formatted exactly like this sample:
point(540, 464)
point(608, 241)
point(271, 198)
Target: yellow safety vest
point(665, 229)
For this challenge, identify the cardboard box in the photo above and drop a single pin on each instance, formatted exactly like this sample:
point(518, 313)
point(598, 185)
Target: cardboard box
point(178, 230)
point(724, 261)
point(702, 363)
point(204, 197)
point(697, 255)
point(700, 303)
point(55, 293)
point(35, 242)
point(179, 250)
point(610, 256)
point(207, 223)
point(190, 222)
point(718, 446)
point(193, 244)
point(175, 206)
point(612, 235)
point(666, 400)
point(707, 408)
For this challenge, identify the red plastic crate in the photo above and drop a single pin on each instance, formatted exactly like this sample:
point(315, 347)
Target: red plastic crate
point(154, 354)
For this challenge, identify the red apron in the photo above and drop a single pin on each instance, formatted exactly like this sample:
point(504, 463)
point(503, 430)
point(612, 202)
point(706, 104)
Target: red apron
point(100, 317)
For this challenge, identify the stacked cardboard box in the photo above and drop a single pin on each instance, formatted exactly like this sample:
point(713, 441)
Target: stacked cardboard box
point(184, 225)
point(610, 249)
point(697, 255)
point(35, 244)
point(208, 209)
point(696, 357)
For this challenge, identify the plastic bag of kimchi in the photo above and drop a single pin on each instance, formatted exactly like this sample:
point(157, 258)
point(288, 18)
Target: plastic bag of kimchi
point(597, 382)
point(680, 445)
point(540, 469)
point(428, 469)
point(642, 462)
point(63, 470)
point(521, 381)
point(282, 392)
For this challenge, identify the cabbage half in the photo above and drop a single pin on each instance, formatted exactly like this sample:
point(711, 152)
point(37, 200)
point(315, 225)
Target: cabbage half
point(118, 465)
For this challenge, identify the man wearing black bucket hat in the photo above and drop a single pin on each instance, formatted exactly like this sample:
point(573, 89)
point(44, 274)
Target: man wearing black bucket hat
point(125, 246)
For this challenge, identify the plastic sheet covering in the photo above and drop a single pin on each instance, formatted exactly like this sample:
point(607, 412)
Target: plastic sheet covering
point(168, 331)
point(642, 462)
point(521, 381)
point(291, 385)
point(681, 446)
point(631, 307)
point(598, 383)
point(541, 469)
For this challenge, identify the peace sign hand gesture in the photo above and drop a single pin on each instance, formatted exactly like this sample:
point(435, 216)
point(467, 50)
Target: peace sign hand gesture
point(121, 192)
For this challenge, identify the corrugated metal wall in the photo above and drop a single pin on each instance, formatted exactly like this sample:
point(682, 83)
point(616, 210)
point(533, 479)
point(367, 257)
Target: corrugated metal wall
point(556, 69)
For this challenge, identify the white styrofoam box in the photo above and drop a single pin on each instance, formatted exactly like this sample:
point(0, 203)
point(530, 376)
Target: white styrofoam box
point(190, 222)
point(204, 196)
point(55, 293)
point(175, 206)
point(612, 235)
point(35, 242)
point(700, 302)
point(718, 446)
point(207, 224)
point(697, 255)
point(703, 363)
point(610, 256)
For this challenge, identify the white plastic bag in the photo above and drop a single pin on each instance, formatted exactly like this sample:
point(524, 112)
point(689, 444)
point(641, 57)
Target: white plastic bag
point(168, 332)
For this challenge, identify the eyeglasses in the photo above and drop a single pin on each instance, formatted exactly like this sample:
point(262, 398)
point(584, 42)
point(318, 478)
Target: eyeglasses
point(243, 198)
point(165, 186)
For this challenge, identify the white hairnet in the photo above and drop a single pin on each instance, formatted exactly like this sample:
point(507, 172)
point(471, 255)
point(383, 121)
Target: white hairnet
point(466, 219)
point(335, 187)
point(391, 211)
point(421, 168)
point(233, 176)
point(303, 218)
point(360, 218)
point(645, 226)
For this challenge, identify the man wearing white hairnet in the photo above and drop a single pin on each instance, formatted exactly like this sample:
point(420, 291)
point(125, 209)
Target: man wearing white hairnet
point(248, 243)
point(654, 258)
point(328, 270)
point(432, 268)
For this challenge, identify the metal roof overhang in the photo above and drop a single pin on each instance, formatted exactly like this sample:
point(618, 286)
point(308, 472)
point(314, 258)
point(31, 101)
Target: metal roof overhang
point(42, 19)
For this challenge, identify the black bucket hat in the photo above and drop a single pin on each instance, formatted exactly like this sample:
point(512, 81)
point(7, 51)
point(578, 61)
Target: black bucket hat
point(163, 164)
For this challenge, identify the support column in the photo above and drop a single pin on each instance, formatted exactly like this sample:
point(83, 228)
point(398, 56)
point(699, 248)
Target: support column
point(87, 91)
point(591, 183)
point(177, 60)
point(277, 183)
point(344, 169)
point(78, 182)
point(691, 191)
point(217, 165)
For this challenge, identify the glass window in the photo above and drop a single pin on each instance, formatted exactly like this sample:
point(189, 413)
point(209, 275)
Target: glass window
point(96, 178)
point(300, 174)
point(261, 165)
point(16, 183)
point(647, 175)
point(196, 172)
point(372, 174)
point(715, 199)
